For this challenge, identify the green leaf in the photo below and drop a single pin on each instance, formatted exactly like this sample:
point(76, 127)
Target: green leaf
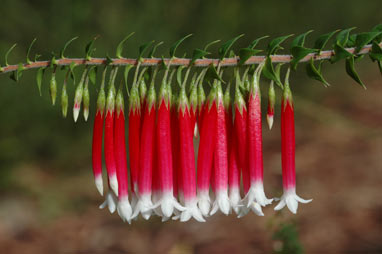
point(143, 48)
point(109, 60)
point(89, 48)
point(351, 41)
point(322, 40)
point(210, 44)
point(350, 70)
point(198, 54)
point(6, 54)
point(363, 39)
point(40, 73)
point(300, 39)
point(378, 28)
point(340, 53)
point(29, 49)
point(315, 73)
point(176, 45)
point(126, 74)
point(376, 52)
point(119, 49)
point(92, 74)
point(246, 53)
point(298, 53)
point(224, 49)
point(16, 75)
point(65, 46)
point(269, 72)
point(256, 41)
point(274, 45)
point(152, 51)
point(71, 68)
point(213, 74)
point(343, 36)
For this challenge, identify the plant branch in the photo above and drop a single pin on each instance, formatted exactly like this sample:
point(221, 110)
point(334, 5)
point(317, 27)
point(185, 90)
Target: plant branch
point(181, 61)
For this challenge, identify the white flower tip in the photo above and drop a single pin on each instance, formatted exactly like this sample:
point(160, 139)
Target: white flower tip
point(270, 121)
point(256, 208)
point(86, 114)
point(76, 112)
point(110, 202)
point(221, 203)
point(114, 184)
point(290, 199)
point(99, 184)
point(234, 198)
point(196, 130)
point(256, 194)
point(144, 206)
point(204, 205)
point(191, 211)
point(124, 209)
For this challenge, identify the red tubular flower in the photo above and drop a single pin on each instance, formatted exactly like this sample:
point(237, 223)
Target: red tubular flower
point(187, 158)
point(271, 105)
point(289, 196)
point(109, 135)
point(146, 155)
point(206, 152)
point(97, 137)
point(255, 145)
point(221, 158)
point(193, 103)
point(124, 208)
point(201, 105)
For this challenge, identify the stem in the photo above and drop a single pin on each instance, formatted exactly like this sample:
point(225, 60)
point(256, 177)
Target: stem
point(183, 61)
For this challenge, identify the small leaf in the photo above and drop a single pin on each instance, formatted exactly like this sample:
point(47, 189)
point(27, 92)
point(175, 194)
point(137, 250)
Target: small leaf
point(340, 53)
point(176, 45)
point(198, 54)
point(16, 75)
point(363, 39)
point(274, 45)
point(118, 52)
point(29, 49)
point(256, 41)
point(315, 73)
point(92, 74)
point(71, 68)
point(152, 51)
point(300, 39)
point(269, 72)
point(224, 49)
point(378, 28)
point(376, 52)
point(210, 44)
point(350, 70)
point(89, 48)
point(246, 53)
point(322, 40)
point(6, 54)
point(343, 36)
point(213, 74)
point(143, 48)
point(62, 51)
point(298, 53)
point(39, 75)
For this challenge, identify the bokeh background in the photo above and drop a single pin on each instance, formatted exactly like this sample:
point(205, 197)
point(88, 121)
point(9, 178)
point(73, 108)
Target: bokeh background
point(48, 201)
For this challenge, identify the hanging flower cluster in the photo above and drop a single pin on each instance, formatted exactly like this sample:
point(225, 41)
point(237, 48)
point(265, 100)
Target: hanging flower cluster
point(189, 155)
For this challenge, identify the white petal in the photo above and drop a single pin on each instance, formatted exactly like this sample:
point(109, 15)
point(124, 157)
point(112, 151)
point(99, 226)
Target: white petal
point(124, 209)
point(99, 184)
point(280, 205)
point(114, 183)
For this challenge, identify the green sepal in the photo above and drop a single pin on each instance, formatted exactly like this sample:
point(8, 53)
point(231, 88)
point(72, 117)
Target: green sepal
point(176, 45)
point(119, 102)
point(340, 53)
point(271, 96)
point(110, 98)
point(287, 93)
point(322, 40)
point(300, 39)
point(224, 49)
point(64, 100)
point(350, 70)
point(343, 37)
point(227, 96)
point(274, 45)
point(86, 98)
point(246, 53)
point(151, 94)
point(315, 73)
point(118, 51)
point(298, 53)
point(134, 99)
point(39, 74)
point(29, 49)
point(269, 72)
point(363, 39)
point(142, 90)
point(194, 93)
point(101, 98)
point(239, 99)
point(89, 48)
point(65, 46)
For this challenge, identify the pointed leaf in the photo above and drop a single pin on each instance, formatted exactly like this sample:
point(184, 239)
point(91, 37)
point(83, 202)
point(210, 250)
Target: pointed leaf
point(300, 39)
point(256, 41)
point(143, 48)
point(340, 53)
point(71, 68)
point(377, 28)
point(152, 51)
point(343, 36)
point(213, 74)
point(9, 51)
point(350, 70)
point(298, 53)
point(65, 46)
point(29, 49)
point(89, 48)
point(363, 39)
point(119, 49)
point(246, 53)
point(315, 73)
point(210, 44)
point(176, 45)
point(274, 45)
point(322, 40)
point(376, 52)
point(198, 54)
point(269, 72)
point(224, 49)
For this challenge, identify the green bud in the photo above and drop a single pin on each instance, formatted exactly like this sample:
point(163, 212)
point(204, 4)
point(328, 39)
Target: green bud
point(53, 88)
point(86, 99)
point(64, 100)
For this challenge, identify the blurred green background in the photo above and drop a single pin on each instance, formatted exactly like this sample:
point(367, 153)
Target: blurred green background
point(48, 202)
